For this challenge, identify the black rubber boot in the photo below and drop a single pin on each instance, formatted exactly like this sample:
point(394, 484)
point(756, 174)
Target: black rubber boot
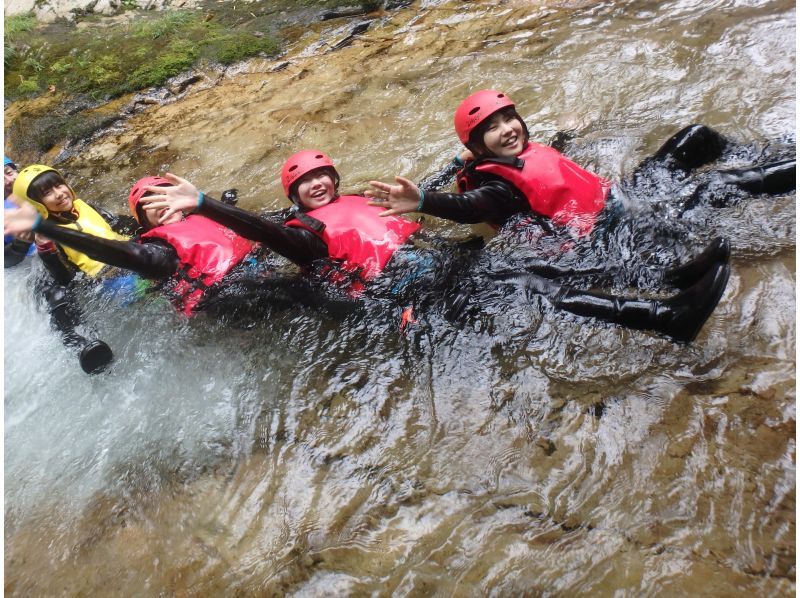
point(680, 317)
point(775, 178)
point(685, 275)
point(772, 179)
point(689, 148)
point(94, 355)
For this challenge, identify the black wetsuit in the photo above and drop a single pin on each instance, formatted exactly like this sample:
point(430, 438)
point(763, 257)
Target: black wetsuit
point(54, 258)
point(250, 286)
point(445, 278)
point(298, 245)
point(152, 259)
point(494, 201)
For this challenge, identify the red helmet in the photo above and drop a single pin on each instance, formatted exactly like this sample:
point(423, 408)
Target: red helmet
point(477, 108)
point(302, 163)
point(138, 191)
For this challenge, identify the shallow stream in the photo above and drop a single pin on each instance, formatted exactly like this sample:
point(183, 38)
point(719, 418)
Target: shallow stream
point(525, 452)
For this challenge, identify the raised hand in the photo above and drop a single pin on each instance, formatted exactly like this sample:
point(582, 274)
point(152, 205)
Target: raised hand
point(20, 221)
point(182, 196)
point(397, 199)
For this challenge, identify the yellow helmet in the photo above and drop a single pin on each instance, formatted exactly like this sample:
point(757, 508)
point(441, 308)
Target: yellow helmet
point(24, 180)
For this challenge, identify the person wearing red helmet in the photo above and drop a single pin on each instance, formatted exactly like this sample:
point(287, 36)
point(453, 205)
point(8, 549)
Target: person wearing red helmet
point(346, 237)
point(507, 173)
point(191, 258)
point(337, 236)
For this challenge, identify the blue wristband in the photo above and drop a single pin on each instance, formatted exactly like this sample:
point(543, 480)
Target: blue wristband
point(36, 222)
point(200, 197)
point(458, 161)
point(421, 200)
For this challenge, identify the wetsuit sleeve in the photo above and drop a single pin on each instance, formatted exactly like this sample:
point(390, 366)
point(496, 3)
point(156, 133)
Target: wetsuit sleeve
point(299, 245)
point(55, 264)
point(494, 201)
point(151, 260)
point(124, 225)
point(443, 178)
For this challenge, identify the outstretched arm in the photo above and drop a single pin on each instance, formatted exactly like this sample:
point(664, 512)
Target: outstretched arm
point(150, 260)
point(445, 176)
point(494, 202)
point(298, 245)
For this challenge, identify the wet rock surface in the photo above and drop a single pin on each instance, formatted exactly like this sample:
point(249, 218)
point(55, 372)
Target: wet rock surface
point(525, 451)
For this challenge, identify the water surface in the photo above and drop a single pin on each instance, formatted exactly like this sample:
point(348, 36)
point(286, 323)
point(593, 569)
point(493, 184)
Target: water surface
point(524, 451)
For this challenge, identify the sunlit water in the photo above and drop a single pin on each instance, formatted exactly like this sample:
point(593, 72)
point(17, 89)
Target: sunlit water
point(519, 450)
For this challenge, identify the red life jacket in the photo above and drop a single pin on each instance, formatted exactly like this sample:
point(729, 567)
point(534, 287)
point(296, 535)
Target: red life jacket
point(361, 241)
point(207, 252)
point(553, 184)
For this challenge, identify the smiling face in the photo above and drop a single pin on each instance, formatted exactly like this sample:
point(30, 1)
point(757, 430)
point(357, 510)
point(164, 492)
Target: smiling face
point(504, 135)
point(315, 189)
point(58, 198)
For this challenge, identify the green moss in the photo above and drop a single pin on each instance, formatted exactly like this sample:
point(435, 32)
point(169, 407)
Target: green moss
point(169, 22)
point(14, 25)
point(178, 57)
point(144, 53)
point(85, 66)
point(37, 134)
point(61, 67)
point(27, 87)
point(105, 72)
point(13, 29)
point(232, 48)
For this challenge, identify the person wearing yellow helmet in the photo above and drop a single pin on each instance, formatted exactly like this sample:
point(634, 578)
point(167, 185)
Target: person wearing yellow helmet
point(195, 262)
point(44, 188)
point(47, 191)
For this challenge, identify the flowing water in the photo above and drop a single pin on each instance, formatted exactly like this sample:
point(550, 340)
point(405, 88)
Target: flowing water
point(524, 451)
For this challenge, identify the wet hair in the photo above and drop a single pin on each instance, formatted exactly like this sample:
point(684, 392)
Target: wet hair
point(476, 144)
point(326, 169)
point(39, 186)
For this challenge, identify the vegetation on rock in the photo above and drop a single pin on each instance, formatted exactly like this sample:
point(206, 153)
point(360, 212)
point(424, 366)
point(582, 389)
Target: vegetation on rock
point(95, 59)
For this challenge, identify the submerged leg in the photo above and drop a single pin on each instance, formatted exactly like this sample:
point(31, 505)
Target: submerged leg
point(681, 276)
point(771, 179)
point(94, 355)
point(679, 317)
point(548, 270)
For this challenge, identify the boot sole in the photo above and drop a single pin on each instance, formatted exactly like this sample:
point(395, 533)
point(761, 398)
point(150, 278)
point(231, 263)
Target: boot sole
point(720, 284)
point(95, 357)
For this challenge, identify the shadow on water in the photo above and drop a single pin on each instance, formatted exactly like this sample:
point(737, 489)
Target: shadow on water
point(503, 448)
